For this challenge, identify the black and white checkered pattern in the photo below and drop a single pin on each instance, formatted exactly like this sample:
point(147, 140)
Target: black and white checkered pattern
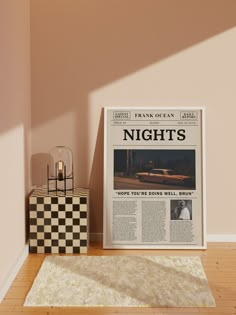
point(59, 222)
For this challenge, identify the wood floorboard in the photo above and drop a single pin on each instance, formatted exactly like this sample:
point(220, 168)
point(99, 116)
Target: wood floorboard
point(219, 263)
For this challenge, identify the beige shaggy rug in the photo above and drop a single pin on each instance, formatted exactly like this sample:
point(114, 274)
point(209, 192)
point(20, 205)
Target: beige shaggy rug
point(175, 281)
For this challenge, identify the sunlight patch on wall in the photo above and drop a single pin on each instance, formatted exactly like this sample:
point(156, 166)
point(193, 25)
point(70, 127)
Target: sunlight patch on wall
point(202, 75)
point(12, 187)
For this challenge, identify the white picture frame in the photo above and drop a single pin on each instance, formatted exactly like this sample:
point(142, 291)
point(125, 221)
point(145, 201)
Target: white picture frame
point(113, 143)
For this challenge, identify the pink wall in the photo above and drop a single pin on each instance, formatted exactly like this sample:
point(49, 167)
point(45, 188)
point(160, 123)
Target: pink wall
point(14, 130)
point(89, 54)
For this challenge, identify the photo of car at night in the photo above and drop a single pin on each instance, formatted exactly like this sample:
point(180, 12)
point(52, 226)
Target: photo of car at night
point(154, 169)
point(164, 176)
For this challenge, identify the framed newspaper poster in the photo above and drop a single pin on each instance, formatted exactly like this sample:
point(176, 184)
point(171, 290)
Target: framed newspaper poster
point(154, 189)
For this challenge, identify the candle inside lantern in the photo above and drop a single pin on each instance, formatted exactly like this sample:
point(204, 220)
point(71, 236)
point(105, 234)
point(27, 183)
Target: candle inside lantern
point(60, 170)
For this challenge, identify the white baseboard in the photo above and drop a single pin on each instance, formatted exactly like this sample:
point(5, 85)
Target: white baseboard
point(15, 269)
point(97, 237)
point(221, 238)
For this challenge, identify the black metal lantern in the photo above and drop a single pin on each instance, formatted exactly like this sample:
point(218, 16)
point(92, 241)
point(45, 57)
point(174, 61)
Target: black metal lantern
point(60, 170)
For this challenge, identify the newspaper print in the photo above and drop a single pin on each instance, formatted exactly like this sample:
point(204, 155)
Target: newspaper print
point(153, 178)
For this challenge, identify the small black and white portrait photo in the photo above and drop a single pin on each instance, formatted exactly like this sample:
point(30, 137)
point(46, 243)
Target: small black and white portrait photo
point(181, 209)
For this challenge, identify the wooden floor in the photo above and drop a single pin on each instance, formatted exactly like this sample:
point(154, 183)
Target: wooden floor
point(219, 262)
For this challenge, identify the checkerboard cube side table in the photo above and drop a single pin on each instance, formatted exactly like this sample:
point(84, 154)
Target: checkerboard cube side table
point(59, 222)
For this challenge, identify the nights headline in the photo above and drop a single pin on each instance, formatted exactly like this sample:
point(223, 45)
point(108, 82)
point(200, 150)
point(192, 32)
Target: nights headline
point(154, 134)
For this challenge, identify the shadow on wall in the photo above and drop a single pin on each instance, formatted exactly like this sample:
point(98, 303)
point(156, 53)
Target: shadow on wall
point(79, 46)
point(96, 180)
point(85, 45)
point(39, 164)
